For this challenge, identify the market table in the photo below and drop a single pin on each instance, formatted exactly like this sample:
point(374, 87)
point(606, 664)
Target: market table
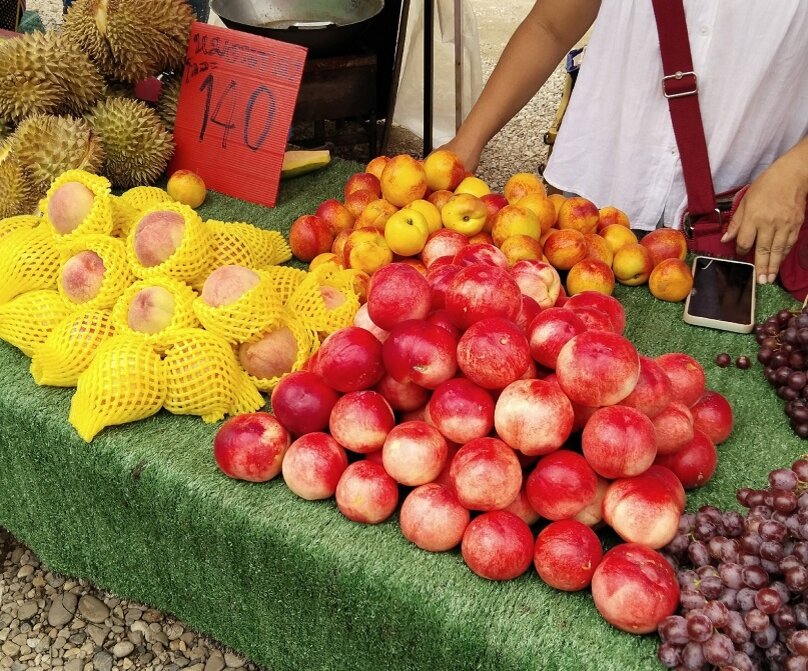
point(143, 511)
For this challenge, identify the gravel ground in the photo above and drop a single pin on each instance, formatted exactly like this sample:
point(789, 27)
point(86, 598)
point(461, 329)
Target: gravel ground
point(53, 622)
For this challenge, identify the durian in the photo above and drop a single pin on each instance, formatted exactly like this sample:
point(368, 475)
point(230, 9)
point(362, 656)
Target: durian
point(44, 73)
point(16, 194)
point(137, 145)
point(167, 103)
point(5, 129)
point(131, 40)
point(47, 145)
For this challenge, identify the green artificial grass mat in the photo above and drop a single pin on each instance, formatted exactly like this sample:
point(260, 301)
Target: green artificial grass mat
point(144, 512)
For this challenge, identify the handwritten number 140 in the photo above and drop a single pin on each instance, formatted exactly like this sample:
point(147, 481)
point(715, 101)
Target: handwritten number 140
point(224, 113)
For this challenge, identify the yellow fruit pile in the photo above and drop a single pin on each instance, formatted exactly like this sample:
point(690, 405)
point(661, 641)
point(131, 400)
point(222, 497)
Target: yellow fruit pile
point(417, 211)
point(111, 295)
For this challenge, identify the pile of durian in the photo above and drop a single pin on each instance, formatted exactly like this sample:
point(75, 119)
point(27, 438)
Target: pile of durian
point(67, 97)
point(141, 304)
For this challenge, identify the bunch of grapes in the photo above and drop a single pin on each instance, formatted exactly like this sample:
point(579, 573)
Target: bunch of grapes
point(743, 579)
point(783, 340)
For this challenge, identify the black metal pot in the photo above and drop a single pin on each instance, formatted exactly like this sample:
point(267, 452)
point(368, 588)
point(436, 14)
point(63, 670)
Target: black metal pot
point(324, 27)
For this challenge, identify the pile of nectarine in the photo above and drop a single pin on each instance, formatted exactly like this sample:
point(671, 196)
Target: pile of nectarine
point(500, 402)
point(402, 209)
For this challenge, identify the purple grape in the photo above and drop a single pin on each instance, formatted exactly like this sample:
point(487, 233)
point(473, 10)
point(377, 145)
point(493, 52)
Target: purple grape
point(801, 613)
point(729, 598)
point(736, 628)
point(772, 530)
point(673, 629)
point(786, 502)
point(718, 649)
point(785, 618)
point(796, 663)
point(711, 587)
point(800, 551)
point(766, 638)
point(772, 551)
point(800, 468)
point(797, 642)
point(755, 577)
point(717, 612)
point(731, 575)
point(768, 601)
point(699, 556)
point(723, 360)
point(783, 478)
point(678, 544)
point(742, 662)
point(733, 524)
point(746, 599)
point(691, 599)
point(749, 560)
point(756, 620)
point(789, 562)
point(699, 626)
point(796, 577)
point(670, 655)
point(693, 656)
point(750, 542)
point(688, 579)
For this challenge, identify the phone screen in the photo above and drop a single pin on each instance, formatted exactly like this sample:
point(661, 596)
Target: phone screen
point(722, 290)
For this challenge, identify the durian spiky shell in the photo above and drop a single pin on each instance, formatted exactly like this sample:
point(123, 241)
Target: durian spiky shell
point(16, 194)
point(167, 102)
point(137, 145)
point(5, 129)
point(48, 145)
point(131, 40)
point(44, 73)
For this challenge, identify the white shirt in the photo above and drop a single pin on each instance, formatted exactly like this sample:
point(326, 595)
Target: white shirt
point(616, 144)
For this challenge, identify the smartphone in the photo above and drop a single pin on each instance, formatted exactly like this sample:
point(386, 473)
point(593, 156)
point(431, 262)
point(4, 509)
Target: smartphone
point(723, 295)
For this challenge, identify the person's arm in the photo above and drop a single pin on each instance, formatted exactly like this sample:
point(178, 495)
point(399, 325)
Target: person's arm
point(772, 211)
point(539, 44)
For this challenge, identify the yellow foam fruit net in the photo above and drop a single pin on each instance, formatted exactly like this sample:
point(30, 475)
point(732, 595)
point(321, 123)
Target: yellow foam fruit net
point(268, 248)
point(182, 311)
point(71, 347)
point(143, 198)
point(124, 383)
point(27, 321)
point(203, 377)
point(229, 248)
point(285, 279)
point(117, 275)
point(308, 302)
point(28, 261)
point(12, 224)
point(124, 217)
point(307, 344)
point(189, 261)
point(99, 218)
point(255, 311)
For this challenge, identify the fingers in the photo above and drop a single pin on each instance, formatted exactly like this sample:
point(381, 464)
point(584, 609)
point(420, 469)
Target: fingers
point(781, 245)
point(734, 224)
point(765, 241)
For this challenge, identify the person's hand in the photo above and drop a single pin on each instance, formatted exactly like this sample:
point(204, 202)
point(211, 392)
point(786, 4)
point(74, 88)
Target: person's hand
point(770, 215)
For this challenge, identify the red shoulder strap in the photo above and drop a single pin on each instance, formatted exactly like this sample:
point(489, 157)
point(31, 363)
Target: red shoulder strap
point(680, 87)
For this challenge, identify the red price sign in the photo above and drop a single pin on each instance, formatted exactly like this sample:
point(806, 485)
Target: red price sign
point(236, 103)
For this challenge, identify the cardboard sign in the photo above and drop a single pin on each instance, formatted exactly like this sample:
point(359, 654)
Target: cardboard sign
point(236, 102)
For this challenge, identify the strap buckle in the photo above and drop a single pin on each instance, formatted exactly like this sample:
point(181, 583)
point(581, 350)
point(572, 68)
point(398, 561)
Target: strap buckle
point(677, 76)
point(688, 219)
